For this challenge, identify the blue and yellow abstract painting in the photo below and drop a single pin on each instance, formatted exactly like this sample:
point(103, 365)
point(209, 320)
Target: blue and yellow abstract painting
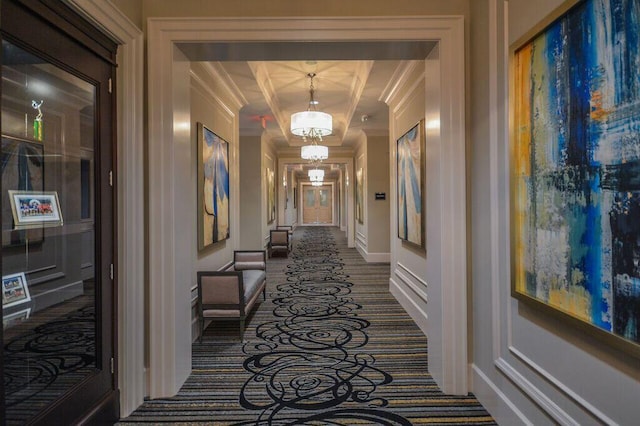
point(576, 166)
point(215, 188)
point(410, 185)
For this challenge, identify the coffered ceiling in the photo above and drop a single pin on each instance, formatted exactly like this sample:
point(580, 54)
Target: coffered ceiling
point(348, 90)
point(271, 80)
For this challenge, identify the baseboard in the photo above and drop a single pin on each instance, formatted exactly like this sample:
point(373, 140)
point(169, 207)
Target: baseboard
point(378, 258)
point(416, 313)
point(494, 400)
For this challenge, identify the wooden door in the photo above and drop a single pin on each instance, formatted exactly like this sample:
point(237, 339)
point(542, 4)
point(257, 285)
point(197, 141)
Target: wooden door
point(58, 226)
point(317, 205)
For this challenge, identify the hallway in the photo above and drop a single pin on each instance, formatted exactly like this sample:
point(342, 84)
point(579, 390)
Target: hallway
point(330, 345)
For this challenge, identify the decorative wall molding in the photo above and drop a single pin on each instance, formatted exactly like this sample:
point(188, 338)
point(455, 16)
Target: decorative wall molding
point(46, 278)
point(130, 196)
point(536, 395)
point(550, 378)
point(411, 280)
point(415, 311)
point(498, 402)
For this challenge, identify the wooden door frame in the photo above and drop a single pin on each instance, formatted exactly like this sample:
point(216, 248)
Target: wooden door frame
point(94, 62)
point(333, 186)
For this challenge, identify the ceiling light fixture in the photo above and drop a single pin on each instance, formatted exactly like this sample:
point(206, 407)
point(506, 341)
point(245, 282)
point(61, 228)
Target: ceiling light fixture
point(317, 183)
point(311, 125)
point(316, 175)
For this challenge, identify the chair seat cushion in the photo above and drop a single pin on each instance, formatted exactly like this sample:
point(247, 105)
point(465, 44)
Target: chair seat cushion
point(252, 279)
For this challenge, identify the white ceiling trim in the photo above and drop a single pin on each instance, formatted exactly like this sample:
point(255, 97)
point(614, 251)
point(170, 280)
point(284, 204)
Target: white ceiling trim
point(261, 74)
point(215, 70)
point(399, 79)
point(358, 83)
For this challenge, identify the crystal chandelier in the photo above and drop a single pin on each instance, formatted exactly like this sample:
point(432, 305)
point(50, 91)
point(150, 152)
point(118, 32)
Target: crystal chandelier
point(316, 175)
point(316, 183)
point(312, 125)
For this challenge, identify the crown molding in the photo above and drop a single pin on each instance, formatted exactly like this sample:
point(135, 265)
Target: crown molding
point(217, 71)
point(398, 79)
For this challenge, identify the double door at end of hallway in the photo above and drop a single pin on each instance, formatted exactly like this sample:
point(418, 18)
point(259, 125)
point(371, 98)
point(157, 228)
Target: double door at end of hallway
point(318, 204)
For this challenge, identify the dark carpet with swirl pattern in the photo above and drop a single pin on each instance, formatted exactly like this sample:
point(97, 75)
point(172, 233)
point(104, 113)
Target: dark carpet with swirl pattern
point(330, 346)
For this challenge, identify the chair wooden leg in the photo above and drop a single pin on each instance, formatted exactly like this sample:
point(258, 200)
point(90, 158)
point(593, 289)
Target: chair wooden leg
point(242, 330)
point(201, 330)
point(264, 293)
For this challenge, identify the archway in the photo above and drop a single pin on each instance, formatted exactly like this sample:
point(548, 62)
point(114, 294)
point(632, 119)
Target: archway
point(169, 298)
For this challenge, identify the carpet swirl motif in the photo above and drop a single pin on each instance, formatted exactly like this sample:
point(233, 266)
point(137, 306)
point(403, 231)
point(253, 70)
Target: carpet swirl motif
point(311, 361)
point(51, 352)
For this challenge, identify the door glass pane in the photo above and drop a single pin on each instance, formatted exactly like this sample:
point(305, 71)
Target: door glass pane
point(48, 232)
point(324, 197)
point(310, 198)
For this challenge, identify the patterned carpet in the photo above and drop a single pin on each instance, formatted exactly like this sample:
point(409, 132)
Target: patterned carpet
point(330, 346)
point(46, 356)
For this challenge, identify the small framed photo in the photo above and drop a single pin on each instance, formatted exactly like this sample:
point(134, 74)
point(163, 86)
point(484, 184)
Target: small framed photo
point(15, 318)
point(14, 290)
point(33, 208)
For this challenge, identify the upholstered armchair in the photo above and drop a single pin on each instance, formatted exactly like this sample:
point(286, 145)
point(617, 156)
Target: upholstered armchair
point(279, 241)
point(231, 294)
point(289, 229)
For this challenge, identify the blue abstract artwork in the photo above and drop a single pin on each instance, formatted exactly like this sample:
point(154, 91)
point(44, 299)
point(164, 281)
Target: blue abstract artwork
point(213, 188)
point(576, 166)
point(410, 185)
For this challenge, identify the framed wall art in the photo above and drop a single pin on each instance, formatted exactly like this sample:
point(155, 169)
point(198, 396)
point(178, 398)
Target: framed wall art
point(359, 196)
point(22, 169)
point(575, 164)
point(213, 188)
point(35, 209)
point(271, 195)
point(295, 197)
point(14, 290)
point(15, 318)
point(410, 179)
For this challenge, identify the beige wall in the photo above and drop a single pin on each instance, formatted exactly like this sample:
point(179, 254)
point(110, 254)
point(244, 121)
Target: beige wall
point(378, 211)
point(250, 193)
point(215, 113)
point(269, 161)
point(132, 9)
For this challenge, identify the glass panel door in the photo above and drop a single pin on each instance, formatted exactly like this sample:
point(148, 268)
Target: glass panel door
point(309, 207)
point(318, 205)
point(325, 205)
point(49, 292)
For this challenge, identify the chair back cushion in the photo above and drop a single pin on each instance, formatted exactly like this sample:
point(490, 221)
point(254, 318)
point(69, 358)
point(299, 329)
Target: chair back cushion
point(245, 260)
point(220, 289)
point(279, 238)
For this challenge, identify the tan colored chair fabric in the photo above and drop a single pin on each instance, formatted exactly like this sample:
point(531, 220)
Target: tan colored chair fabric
point(279, 241)
point(232, 294)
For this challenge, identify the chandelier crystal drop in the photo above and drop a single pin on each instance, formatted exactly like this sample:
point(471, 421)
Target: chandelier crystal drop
point(316, 175)
point(314, 152)
point(312, 125)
